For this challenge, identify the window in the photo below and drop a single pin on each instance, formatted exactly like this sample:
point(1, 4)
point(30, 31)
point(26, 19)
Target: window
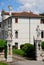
point(16, 34)
point(0, 24)
point(42, 21)
point(16, 20)
point(42, 34)
point(16, 45)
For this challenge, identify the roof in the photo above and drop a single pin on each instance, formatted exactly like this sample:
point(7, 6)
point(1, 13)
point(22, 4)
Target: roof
point(24, 14)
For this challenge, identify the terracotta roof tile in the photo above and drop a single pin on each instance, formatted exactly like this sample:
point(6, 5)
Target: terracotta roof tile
point(24, 14)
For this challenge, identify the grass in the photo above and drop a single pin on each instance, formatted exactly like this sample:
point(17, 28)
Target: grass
point(18, 52)
point(2, 63)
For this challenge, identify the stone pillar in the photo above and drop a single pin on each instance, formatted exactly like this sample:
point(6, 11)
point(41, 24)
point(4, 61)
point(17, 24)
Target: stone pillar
point(38, 44)
point(38, 51)
point(9, 51)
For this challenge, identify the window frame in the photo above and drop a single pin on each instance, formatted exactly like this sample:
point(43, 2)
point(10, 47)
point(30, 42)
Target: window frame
point(42, 21)
point(0, 25)
point(16, 34)
point(42, 33)
point(16, 20)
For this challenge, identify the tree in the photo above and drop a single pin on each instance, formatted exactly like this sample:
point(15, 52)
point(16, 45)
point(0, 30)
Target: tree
point(42, 14)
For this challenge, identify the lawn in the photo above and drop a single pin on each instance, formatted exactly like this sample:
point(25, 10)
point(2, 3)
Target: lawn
point(2, 63)
point(18, 51)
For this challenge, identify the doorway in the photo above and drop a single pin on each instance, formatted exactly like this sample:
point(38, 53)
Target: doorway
point(16, 45)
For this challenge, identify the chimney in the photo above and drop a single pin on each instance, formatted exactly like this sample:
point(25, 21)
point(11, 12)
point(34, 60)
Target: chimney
point(10, 10)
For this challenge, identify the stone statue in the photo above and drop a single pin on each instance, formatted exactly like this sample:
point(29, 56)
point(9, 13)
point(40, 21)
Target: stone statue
point(38, 31)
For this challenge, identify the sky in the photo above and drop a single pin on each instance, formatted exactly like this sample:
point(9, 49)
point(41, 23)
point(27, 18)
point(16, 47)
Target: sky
point(36, 6)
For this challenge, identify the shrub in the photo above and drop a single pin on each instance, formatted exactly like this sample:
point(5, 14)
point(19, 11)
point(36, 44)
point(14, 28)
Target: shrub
point(18, 51)
point(29, 50)
point(3, 45)
point(21, 46)
point(42, 44)
point(3, 63)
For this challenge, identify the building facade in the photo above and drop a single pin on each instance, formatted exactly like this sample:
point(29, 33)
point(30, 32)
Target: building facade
point(21, 28)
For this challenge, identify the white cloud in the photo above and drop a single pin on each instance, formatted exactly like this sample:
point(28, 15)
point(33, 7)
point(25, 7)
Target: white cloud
point(33, 5)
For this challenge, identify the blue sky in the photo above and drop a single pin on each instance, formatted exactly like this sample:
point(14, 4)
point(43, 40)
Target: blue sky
point(14, 3)
point(36, 6)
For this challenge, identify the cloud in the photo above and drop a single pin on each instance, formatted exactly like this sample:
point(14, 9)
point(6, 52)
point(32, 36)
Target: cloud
point(33, 5)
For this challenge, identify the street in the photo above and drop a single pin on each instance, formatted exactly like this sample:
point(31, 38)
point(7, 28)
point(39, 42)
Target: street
point(27, 62)
point(17, 60)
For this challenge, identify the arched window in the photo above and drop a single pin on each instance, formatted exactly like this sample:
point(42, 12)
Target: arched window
point(16, 34)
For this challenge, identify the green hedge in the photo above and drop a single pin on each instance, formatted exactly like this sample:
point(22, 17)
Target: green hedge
point(21, 46)
point(42, 44)
point(18, 52)
point(3, 45)
point(29, 50)
point(3, 63)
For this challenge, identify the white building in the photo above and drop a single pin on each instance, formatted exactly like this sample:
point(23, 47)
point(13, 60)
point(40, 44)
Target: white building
point(20, 28)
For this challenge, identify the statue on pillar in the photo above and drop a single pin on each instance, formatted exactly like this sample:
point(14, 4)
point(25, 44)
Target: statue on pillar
point(38, 31)
point(38, 36)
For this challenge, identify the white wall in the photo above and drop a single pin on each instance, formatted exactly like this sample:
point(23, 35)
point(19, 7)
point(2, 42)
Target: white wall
point(23, 30)
point(33, 26)
point(26, 30)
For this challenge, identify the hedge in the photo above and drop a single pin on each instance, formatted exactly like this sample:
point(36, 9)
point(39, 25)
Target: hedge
point(29, 50)
point(18, 52)
point(42, 44)
point(3, 45)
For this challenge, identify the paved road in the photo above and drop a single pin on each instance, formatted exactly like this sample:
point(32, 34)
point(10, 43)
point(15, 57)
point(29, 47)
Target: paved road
point(22, 61)
point(27, 62)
